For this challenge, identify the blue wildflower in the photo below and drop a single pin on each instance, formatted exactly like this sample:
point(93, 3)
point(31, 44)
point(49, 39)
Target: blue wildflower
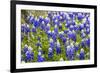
point(31, 19)
point(83, 35)
point(88, 42)
point(72, 35)
point(42, 26)
point(88, 31)
point(61, 34)
point(52, 45)
point(81, 26)
point(56, 29)
point(47, 28)
point(58, 48)
point(49, 33)
point(60, 26)
point(70, 53)
point(36, 23)
point(64, 39)
point(27, 29)
point(29, 56)
point(54, 36)
point(40, 19)
point(82, 55)
point(50, 52)
point(25, 49)
point(80, 16)
point(33, 29)
point(71, 27)
point(46, 20)
point(40, 58)
point(83, 43)
point(76, 46)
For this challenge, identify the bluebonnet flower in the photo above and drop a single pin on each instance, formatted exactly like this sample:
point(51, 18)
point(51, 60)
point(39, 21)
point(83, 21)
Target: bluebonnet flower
point(58, 17)
point(27, 29)
point(60, 26)
point(81, 26)
point(64, 39)
point(56, 29)
point(25, 49)
point(49, 14)
point(33, 29)
point(76, 46)
point(88, 31)
point(46, 20)
point(31, 19)
point(36, 22)
point(71, 27)
point(52, 44)
point(71, 15)
point(80, 16)
point(47, 28)
point(88, 42)
point(40, 19)
point(62, 16)
point(40, 58)
point(61, 34)
point(61, 13)
point(76, 28)
point(66, 31)
point(58, 48)
point(55, 20)
point(72, 35)
point(68, 23)
point(50, 52)
point(87, 26)
point(42, 26)
point(29, 56)
point(83, 43)
point(83, 35)
point(87, 19)
point(82, 54)
point(70, 53)
point(54, 36)
point(49, 33)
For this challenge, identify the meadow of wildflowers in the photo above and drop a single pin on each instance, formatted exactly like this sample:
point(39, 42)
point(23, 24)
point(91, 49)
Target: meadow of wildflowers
point(54, 36)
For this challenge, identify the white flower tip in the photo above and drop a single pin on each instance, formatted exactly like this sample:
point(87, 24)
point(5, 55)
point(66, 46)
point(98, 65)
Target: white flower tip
point(62, 32)
point(51, 40)
point(55, 26)
point(26, 45)
point(82, 50)
point(42, 22)
point(68, 47)
point(48, 25)
point(50, 49)
point(28, 26)
point(39, 53)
